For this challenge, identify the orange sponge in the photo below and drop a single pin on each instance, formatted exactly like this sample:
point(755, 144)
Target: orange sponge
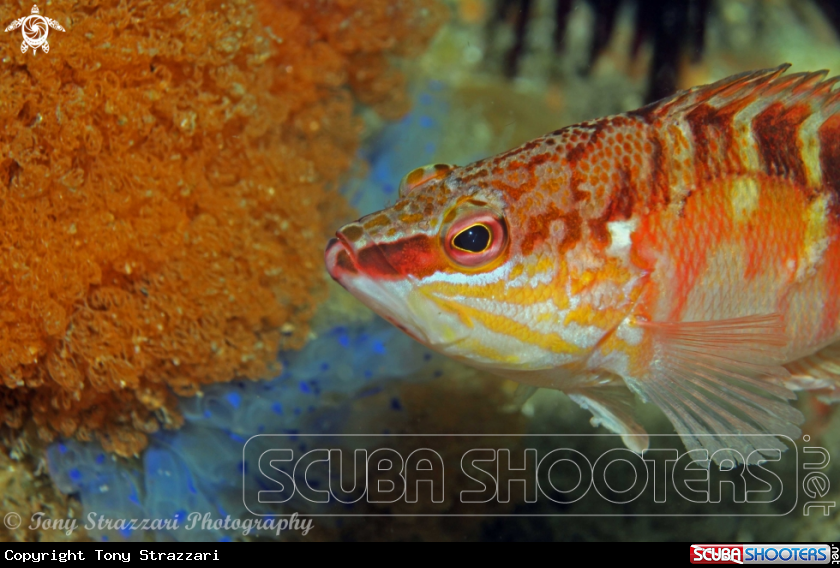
point(166, 177)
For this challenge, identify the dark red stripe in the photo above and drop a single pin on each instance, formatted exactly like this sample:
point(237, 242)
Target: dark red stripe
point(413, 256)
point(829, 134)
point(539, 228)
point(776, 131)
point(574, 231)
point(711, 129)
point(660, 187)
point(620, 209)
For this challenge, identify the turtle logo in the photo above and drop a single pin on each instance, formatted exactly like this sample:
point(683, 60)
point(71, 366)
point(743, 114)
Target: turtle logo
point(35, 31)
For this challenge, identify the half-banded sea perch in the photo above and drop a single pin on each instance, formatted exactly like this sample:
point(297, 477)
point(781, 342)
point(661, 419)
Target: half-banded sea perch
point(687, 252)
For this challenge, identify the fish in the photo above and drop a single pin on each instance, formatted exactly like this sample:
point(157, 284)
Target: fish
point(685, 253)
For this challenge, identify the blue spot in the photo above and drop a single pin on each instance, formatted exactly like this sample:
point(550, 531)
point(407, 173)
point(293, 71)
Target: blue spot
point(125, 531)
point(100, 459)
point(297, 411)
point(207, 414)
point(180, 515)
point(429, 147)
point(378, 347)
point(344, 340)
point(236, 437)
point(395, 404)
point(62, 448)
point(277, 408)
point(225, 539)
point(133, 497)
point(325, 366)
point(75, 475)
point(368, 374)
point(388, 188)
point(243, 467)
point(304, 388)
point(426, 121)
point(104, 538)
point(425, 99)
point(234, 399)
point(191, 485)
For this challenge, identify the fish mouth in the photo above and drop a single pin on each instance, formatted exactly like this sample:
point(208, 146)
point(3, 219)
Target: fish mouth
point(385, 297)
point(353, 252)
point(340, 259)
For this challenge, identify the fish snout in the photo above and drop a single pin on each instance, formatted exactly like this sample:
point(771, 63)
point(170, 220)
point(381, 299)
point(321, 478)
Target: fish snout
point(353, 252)
point(340, 258)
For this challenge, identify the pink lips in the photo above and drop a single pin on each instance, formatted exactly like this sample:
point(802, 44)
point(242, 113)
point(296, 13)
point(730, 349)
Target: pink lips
point(339, 259)
point(342, 262)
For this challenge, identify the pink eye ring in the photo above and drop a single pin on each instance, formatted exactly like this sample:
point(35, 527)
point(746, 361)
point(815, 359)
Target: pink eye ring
point(475, 240)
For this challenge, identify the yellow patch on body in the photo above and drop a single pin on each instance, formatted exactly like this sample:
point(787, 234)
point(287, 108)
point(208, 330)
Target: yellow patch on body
point(743, 198)
point(588, 316)
point(508, 326)
point(475, 347)
point(816, 236)
point(809, 144)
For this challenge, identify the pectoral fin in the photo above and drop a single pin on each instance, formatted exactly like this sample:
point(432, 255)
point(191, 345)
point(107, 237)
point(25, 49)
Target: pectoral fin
point(611, 405)
point(521, 396)
point(819, 372)
point(722, 387)
point(605, 396)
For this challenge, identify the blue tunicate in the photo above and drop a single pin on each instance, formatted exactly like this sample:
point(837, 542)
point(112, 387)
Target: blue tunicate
point(199, 469)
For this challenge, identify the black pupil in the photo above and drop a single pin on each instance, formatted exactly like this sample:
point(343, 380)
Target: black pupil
point(474, 239)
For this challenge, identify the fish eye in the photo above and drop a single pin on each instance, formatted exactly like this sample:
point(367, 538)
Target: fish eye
point(476, 239)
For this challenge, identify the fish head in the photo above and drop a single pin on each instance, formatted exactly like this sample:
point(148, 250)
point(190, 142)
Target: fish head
point(396, 260)
point(454, 265)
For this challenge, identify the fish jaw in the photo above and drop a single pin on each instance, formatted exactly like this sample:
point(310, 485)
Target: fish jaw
point(386, 298)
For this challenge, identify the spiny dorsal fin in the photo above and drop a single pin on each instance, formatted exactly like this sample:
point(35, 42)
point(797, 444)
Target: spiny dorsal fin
point(759, 122)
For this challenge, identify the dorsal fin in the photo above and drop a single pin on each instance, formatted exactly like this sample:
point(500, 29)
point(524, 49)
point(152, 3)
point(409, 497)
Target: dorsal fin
point(738, 89)
point(759, 122)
